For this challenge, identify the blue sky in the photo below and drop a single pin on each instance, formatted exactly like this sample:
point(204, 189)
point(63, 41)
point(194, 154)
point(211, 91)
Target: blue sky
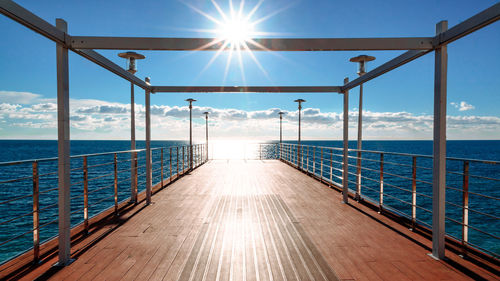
point(28, 66)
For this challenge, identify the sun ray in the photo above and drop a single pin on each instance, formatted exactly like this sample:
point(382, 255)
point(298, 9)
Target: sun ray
point(264, 18)
point(218, 8)
point(256, 61)
point(250, 14)
point(203, 13)
point(214, 57)
point(242, 68)
point(228, 63)
point(240, 12)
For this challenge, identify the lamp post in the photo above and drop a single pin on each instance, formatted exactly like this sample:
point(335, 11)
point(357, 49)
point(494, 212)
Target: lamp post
point(132, 58)
point(206, 134)
point(281, 130)
point(190, 100)
point(299, 101)
point(361, 60)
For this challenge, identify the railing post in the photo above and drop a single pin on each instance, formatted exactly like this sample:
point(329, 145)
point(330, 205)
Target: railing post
point(321, 166)
point(314, 160)
point(177, 165)
point(414, 193)
point(183, 158)
point(170, 161)
point(161, 169)
point(115, 165)
point(296, 155)
point(85, 195)
point(136, 171)
point(381, 197)
point(358, 175)
point(331, 165)
point(307, 160)
point(36, 214)
point(465, 208)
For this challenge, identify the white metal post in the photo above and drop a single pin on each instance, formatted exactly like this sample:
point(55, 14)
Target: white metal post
point(148, 147)
point(439, 149)
point(345, 166)
point(133, 188)
point(63, 147)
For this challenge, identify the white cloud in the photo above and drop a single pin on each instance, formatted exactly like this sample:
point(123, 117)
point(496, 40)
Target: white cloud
point(463, 106)
point(96, 119)
point(18, 97)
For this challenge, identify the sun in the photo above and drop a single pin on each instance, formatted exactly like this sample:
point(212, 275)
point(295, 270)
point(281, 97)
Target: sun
point(237, 30)
point(234, 32)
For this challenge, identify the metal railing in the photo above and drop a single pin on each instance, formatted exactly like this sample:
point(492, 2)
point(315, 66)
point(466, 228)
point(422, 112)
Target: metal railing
point(99, 182)
point(401, 183)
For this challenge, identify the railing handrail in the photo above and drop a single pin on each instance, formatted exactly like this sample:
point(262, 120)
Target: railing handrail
point(492, 162)
point(17, 162)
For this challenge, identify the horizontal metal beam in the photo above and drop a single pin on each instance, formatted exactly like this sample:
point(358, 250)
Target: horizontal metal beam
point(31, 21)
point(111, 66)
point(245, 89)
point(386, 67)
point(478, 21)
point(269, 44)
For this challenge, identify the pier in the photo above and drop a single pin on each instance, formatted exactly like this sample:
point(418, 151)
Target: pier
point(287, 212)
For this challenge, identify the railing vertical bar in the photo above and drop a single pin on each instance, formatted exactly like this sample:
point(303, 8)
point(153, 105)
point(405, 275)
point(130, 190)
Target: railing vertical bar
point(85, 195)
point(161, 170)
point(321, 166)
point(170, 163)
point(414, 193)
point(36, 213)
point(314, 160)
point(177, 150)
point(381, 195)
point(115, 166)
point(465, 208)
point(183, 158)
point(331, 165)
point(307, 160)
point(358, 177)
point(136, 178)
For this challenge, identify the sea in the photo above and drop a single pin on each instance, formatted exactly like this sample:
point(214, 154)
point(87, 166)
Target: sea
point(16, 183)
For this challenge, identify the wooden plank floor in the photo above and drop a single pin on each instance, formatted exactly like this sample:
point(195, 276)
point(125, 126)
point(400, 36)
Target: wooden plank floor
point(253, 220)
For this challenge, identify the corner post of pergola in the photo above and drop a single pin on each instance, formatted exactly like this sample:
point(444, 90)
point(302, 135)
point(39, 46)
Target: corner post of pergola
point(439, 146)
point(345, 159)
point(148, 144)
point(63, 148)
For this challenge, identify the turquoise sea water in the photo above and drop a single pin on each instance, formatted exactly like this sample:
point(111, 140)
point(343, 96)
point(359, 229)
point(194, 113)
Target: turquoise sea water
point(101, 188)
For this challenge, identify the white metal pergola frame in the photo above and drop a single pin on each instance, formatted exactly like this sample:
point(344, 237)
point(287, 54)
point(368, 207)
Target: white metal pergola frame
point(415, 46)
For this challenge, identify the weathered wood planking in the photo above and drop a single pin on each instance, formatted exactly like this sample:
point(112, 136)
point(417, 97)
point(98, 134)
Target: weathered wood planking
point(257, 220)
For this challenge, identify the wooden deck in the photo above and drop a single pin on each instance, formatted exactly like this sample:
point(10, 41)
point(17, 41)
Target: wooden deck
point(256, 220)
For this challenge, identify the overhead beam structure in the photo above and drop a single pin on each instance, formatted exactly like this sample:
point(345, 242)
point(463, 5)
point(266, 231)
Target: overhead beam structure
point(262, 44)
point(246, 89)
